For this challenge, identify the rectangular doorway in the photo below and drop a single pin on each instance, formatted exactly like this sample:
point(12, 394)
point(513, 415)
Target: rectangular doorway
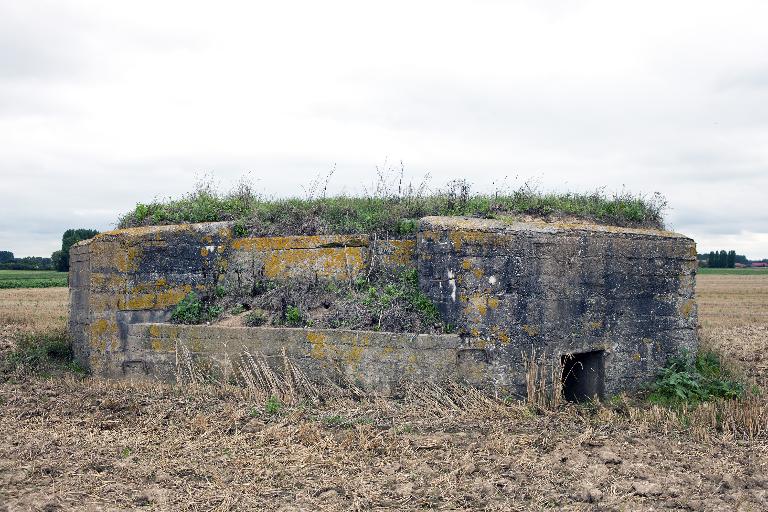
point(583, 376)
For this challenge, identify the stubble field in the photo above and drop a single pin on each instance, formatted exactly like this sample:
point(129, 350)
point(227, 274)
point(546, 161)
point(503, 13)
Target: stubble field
point(68, 443)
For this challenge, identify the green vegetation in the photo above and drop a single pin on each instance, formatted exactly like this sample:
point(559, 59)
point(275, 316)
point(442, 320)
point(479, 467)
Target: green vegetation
point(386, 300)
point(389, 211)
point(194, 310)
point(689, 379)
point(293, 317)
point(404, 288)
point(734, 271)
point(26, 263)
point(273, 405)
point(237, 309)
point(58, 261)
point(41, 353)
point(722, 259)
point(32, 279)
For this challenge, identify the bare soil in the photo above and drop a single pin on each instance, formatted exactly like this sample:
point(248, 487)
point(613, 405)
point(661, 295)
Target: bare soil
point(87, 444)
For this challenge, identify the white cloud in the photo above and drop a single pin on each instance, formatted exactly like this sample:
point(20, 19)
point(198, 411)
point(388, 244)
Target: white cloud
point(104, 104)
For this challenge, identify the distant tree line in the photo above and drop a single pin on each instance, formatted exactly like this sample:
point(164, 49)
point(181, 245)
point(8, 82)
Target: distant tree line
point(8, 262)
point(59, 260)
point(723, 259)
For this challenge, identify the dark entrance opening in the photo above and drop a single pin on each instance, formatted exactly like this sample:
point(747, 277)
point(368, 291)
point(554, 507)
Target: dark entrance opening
point(583, 376)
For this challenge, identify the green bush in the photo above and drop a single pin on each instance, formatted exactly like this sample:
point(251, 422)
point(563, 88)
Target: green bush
point(193, 310)
point(293, 317)
point(689, 379)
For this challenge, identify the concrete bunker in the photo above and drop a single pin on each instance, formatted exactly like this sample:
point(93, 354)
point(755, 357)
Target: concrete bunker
point(610, 304)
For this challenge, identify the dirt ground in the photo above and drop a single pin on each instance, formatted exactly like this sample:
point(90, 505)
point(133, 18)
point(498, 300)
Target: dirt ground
point(73, 444)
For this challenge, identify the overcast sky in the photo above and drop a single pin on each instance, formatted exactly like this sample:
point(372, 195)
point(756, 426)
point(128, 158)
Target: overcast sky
point(105, 104)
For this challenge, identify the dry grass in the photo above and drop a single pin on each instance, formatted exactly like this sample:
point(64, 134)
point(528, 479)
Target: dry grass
point(733, 312)
point(96, 445)
point(732, 300)
point(31, 309)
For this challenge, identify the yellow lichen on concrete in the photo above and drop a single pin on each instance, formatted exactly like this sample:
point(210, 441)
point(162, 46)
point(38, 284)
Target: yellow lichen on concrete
point(163, 344)
point(327, 262)
point(163, 338)
point(109, 281)
point(476, 308)
point(498, 333)
point(593, 326)
point(100, 302)
point(354, 355)
point(686, 308)
point(317, 340)
point(403, 253)
point(431, 236)
point(493, 302)
point(127, 260)
point(281, 243)
point(225, 232)
point(103, 327)
point(466, 264)
point(530, 330)
point(159, 300)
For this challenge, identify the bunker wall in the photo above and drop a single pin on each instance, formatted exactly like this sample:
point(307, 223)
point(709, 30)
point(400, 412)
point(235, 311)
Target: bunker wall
point(137, 275)
point(511, 290)
point(564, 289)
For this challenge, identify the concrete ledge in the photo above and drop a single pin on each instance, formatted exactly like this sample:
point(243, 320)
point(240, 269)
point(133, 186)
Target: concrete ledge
point(377, 362)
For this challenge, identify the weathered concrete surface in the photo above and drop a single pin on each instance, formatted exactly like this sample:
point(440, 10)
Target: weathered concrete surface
point(374, 361)
point(509, 288)
point(564, 289)
point(139, 274)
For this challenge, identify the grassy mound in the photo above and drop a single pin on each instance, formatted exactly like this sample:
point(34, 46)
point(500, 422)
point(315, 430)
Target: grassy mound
point(391, 212)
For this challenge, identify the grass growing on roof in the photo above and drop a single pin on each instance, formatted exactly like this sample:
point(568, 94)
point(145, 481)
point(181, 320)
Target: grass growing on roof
point(390, 210)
